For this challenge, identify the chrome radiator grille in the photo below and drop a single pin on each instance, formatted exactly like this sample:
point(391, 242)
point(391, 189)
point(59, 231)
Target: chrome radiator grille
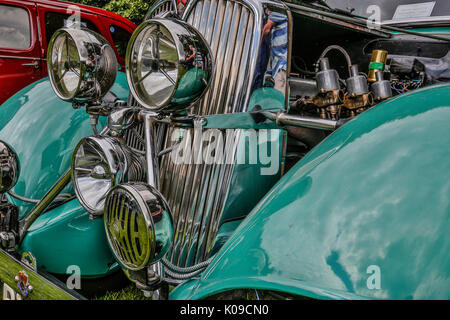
point(197, 192)
point(163, 9)
point(135, 136)
point(228, 26)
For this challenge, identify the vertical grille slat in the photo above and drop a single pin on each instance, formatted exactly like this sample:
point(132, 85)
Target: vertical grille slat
point(197, 192)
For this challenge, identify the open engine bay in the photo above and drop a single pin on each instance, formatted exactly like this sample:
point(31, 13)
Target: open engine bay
point(340, 70)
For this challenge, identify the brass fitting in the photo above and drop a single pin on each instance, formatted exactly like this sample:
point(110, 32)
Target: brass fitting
point(377, 63)
point(362, 101)
point(326, 99)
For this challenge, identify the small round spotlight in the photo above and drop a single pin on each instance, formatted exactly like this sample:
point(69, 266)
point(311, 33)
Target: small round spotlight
point(82, 65)
point(98, 164)
point(9, 167)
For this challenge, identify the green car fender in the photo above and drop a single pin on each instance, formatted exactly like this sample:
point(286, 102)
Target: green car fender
point(364, 215)
point(44, 130)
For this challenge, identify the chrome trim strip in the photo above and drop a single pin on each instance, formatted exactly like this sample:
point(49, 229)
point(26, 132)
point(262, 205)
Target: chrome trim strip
point(440, 19)
point(151, 154)
point(22, 58)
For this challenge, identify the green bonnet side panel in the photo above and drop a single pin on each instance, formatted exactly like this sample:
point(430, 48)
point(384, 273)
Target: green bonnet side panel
point(43, 130)
point(366, 214)
point(65, 236)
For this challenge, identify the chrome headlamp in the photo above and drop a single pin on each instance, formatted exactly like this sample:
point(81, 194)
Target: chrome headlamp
point(98, 164)
point(138, 224)
point(81, 65)
point(169, 65)
point(9, 167)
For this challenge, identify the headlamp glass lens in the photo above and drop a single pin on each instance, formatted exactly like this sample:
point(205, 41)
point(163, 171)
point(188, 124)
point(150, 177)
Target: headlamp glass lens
point(154, 65)
point(65, 66)
point(92, 177)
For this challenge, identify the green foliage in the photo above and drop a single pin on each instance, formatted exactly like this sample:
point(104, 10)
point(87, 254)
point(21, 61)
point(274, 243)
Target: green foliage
point(134, 10)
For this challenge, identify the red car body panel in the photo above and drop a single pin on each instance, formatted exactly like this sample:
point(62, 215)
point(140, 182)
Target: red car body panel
point(21, 67)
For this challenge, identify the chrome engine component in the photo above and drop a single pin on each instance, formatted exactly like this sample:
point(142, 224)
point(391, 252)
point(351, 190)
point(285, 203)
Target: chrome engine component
point(327, 79)
point(358, 97)
point(381, 89)
point(357, 83)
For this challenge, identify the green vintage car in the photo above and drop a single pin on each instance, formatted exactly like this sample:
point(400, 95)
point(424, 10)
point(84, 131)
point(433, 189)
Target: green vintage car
point(252, 148)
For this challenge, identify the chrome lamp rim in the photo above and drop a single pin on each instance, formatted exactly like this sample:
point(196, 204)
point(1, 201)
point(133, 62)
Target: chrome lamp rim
point(109, 147)
point(49, 65)
point(145, 211)
point(170, 24)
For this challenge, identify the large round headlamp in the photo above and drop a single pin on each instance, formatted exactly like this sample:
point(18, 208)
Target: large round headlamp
point(98, 164)
point(9, 167)
point(81, 65)
point(169, 65)
point(138, 224)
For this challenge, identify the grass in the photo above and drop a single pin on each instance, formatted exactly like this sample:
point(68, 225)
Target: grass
point(127, 293)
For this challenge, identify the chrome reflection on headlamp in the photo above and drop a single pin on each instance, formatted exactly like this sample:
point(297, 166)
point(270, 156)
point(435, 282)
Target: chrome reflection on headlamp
point(169, 65)
point(9, 167)
point(98, 164)
point(138, 224)
point(82, 65)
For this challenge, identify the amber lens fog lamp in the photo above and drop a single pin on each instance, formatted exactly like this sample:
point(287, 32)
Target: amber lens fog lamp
point(138, 224)
point(82, 66)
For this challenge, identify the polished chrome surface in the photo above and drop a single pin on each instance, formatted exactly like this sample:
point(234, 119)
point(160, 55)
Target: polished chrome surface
point(233, 34)
point(98, 164)
point(197, 192)
point(150, 149)
point(40, 207)
point(301, 121)
point(135, 136)
point(9, 167)
point(162, 9)
point(121, 119)
point(234, 30)
point(81, 65)
point(162, 72)
point(138, 224)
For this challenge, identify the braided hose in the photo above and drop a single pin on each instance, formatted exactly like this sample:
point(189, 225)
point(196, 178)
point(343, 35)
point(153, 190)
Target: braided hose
point(192, 269)
point(184, 276)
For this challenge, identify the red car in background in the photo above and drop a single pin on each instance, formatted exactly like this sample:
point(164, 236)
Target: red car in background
point(27, 26)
